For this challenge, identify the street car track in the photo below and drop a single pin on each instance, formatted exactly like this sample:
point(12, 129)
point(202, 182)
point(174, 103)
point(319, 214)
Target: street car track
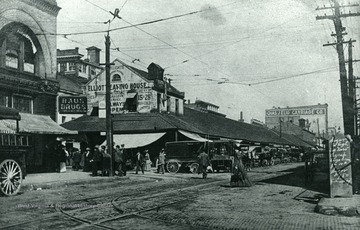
point(138, 205)
point(121, 204)
point(124, 213)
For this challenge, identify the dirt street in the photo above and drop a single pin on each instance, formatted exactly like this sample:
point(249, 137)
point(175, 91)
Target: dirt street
point(180, 201)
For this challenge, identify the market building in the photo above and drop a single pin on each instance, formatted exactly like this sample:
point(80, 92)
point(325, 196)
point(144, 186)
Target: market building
point(151, 124)
point(28, 73)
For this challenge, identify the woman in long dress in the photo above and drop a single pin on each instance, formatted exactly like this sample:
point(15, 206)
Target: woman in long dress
point(239, 172)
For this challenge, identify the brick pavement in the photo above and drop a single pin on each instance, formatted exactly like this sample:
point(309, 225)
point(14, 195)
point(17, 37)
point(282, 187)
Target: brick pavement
point(266, 205)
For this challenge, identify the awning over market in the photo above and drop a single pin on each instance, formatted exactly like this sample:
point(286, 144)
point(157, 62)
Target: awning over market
point(9, 113)
point(193, 136)
point(38, 124)
point(135, 140)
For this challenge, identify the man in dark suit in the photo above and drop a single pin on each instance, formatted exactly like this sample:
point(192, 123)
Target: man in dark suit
point(204, 162)
point(140, 162)
point(96, 160)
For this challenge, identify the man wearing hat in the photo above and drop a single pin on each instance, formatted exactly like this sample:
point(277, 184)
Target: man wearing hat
point(87, 157)
point(140, 162)
point(96, 160)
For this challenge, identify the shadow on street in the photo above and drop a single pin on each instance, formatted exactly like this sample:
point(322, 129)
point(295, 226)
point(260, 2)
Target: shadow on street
point(296, 178)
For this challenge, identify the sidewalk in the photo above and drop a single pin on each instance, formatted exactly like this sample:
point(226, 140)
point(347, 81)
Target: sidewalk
point(39, 181)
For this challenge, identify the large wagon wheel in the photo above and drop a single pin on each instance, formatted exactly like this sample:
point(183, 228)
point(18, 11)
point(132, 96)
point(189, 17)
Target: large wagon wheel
point(10, 177)
point(194, 168)
point(172, 167)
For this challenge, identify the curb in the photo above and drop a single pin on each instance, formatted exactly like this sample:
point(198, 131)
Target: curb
point(349, 207)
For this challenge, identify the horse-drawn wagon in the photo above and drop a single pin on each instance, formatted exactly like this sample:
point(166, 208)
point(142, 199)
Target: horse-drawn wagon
point(13, 150)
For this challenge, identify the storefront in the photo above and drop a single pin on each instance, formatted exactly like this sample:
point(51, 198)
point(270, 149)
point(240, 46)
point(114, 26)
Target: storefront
point(43, 132)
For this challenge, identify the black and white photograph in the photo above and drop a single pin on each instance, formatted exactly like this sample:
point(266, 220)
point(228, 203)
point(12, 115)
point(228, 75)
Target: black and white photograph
point(179, 114)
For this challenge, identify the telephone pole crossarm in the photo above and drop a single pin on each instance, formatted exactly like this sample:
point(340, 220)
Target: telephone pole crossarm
point(346, 89)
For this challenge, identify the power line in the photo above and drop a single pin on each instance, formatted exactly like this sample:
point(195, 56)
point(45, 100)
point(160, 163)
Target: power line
point(125, 27)
point(235, 42)
point(133, 58)
point(123, 5)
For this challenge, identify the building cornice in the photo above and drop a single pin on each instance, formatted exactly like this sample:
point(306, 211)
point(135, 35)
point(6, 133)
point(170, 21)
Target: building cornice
point(45, 6)
point(36, 86)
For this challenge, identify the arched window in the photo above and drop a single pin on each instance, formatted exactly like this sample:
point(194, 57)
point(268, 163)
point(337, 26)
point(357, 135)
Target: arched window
point(18, 48)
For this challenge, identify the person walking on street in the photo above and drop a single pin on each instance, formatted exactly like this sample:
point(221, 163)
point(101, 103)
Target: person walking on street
point(140, 162)
point(204, 162)
point(239, 172)
point(161, 161)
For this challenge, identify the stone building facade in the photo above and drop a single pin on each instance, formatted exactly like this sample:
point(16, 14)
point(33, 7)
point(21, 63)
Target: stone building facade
point(28, 80)
point(28, 56)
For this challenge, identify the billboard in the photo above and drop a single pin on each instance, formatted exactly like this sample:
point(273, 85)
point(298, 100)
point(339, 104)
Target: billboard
point(314, 117)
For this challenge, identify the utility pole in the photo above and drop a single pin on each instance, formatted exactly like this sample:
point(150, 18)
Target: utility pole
point(348, 115)
point(109, 131)
point(352, 90)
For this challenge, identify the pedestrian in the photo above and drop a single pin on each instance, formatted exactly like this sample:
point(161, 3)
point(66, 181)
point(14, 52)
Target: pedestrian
point(239, 172)
point(124, 159)
point(147, 160)
point(96, 161)
point(106, 161)
point(161, 161)
point(117, 159)
point(76, 158)
point(62, 158)
point(140, 162)
point(87, 158)
point(204, 162)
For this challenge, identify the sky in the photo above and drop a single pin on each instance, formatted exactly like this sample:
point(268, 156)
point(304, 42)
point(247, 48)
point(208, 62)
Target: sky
point(242, 55)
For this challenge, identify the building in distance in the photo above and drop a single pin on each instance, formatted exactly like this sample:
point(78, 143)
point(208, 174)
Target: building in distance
point(313, 118)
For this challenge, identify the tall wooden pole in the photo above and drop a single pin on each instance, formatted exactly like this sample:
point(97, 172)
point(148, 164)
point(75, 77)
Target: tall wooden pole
point(109, 134)
point(348, 115)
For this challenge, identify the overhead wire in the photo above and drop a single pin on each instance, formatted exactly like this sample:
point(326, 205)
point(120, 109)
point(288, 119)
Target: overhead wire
point(125, 27)
point(133, 58)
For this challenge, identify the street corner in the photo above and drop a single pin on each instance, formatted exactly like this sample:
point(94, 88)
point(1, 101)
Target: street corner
point(349, 207)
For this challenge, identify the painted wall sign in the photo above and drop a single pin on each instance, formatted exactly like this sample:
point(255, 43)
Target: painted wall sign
point(314, 116)
point(129, 91)
point(340, 167)
point(72, 105)
point(295, 112)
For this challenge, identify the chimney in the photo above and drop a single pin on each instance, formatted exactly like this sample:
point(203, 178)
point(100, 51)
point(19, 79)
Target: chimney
point(93, 55)
point(155, 72)
point(241, 117)
point(302, 123)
